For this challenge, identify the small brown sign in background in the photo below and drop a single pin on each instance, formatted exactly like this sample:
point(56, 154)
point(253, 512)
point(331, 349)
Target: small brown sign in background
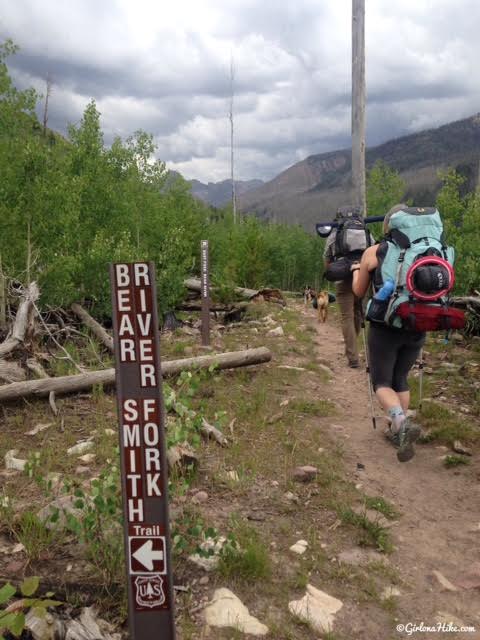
point(142, 451)
point(205, 286)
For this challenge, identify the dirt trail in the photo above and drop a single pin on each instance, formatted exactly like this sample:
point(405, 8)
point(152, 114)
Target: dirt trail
point(439, 507)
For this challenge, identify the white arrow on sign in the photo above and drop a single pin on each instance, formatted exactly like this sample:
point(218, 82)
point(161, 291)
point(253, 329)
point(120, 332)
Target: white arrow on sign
point(146, 555)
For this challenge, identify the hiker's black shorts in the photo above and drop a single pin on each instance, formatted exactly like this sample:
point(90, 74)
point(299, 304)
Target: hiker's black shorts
point(392, 353)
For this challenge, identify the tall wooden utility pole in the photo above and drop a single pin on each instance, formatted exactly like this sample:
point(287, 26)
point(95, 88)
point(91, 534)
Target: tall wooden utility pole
point(358, 104)
point(234, 197)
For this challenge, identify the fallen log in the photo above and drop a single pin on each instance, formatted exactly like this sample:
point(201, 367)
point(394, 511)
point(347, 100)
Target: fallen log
point(35, 367)
point(194, 284)
point(464, 301)
point(181, 456)
point(269, 295)
point(93, 325)
point(106, 377)
point(22, 320)
point(196, 306)
point(11, 371)
point(209, 431)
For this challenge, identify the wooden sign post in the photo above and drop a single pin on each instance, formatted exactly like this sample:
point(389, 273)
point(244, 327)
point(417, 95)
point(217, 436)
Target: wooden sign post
point(205, 286)
point(142, 451)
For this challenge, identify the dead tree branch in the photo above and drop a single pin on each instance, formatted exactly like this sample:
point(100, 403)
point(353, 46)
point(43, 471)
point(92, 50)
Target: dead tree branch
point(23, 319)
point(92, 324)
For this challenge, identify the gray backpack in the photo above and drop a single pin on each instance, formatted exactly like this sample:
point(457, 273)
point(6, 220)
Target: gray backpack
point(351, 239)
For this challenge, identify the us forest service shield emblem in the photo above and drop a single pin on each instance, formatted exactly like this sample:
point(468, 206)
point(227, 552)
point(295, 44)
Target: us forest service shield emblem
point(149, 591)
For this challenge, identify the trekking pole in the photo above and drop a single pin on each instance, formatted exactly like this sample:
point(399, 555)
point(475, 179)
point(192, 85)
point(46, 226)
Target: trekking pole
point(369, 381)
point(420, 381)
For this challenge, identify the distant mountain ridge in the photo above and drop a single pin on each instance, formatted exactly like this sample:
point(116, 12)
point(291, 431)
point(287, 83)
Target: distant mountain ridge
point(218, 194)
point(311, 190)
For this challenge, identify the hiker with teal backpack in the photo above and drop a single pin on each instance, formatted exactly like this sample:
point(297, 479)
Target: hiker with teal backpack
point(411, 271)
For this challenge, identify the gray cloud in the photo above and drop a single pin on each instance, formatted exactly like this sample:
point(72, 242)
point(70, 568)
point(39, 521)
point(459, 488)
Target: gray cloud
point(166, 69)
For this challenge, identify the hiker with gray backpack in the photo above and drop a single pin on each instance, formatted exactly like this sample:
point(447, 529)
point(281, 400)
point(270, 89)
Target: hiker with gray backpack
point(345, 246)
point(411, 271)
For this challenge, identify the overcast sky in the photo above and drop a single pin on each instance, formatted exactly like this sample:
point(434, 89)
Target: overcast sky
point(164, 66)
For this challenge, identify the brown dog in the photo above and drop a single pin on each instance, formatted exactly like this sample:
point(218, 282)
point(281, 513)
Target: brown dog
point(322, 305)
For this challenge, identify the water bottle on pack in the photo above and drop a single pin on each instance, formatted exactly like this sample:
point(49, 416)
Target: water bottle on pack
point(379, 303)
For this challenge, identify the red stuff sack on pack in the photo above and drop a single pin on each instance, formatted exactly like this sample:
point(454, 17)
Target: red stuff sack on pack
point(430, 317)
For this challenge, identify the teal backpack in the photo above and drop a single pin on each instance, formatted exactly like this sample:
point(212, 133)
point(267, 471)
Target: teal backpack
point(415, 256)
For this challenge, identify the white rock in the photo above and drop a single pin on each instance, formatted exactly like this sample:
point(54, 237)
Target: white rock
point(299, 547)
point(390, 592)
point(359, 557)
point(199, 497)
point(90, 626)
point(38, 428)
point(209, 563)
point(63, 505)
point(317, 609)
point(80, 447)
point(458, 447)
point(18, 547)
point(13, 463)
point(110, 432)
point(42, 628)
point(444, 582)
point(277, 332)
point(226, 610)
point(326, 369)
point(87, 458)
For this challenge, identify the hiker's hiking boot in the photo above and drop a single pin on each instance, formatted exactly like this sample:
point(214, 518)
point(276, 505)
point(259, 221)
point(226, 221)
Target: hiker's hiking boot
point(403, 439)
point(392, 437)
point(408, 434)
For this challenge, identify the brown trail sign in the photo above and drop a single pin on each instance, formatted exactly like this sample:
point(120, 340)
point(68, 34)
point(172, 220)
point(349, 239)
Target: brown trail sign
point(205, 291)
point(142, 451)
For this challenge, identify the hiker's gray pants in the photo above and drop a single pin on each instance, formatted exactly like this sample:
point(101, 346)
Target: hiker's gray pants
point(351, 317)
